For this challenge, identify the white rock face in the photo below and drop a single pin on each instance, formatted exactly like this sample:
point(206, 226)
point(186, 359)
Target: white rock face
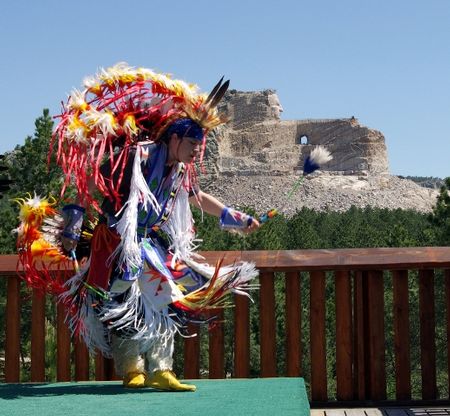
point(256, 158)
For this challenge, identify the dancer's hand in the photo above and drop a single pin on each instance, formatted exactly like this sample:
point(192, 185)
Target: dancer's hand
point(73, 221)
point(68, 243)
point(254, 225)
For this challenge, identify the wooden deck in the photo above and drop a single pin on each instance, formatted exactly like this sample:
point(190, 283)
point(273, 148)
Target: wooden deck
point(332, 299)
point(383, 411)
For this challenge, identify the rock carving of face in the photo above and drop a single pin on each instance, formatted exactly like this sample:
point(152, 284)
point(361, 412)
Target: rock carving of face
point(275, 105)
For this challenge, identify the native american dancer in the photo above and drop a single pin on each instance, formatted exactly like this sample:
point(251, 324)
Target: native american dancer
point(131, 138)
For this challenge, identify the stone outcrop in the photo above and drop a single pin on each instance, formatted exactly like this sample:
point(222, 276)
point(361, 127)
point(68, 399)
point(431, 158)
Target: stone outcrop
point(256, 140)
point(255, 159)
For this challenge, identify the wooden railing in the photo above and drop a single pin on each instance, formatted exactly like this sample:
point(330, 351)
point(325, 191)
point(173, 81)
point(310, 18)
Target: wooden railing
point(357, 278)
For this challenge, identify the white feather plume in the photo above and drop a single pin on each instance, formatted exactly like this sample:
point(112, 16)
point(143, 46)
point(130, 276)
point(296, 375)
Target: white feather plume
point(320, 155)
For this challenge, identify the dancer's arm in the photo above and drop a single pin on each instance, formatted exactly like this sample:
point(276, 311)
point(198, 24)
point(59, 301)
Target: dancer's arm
point(213, 206)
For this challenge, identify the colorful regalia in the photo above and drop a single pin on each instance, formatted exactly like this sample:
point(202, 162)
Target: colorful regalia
point(142, 280)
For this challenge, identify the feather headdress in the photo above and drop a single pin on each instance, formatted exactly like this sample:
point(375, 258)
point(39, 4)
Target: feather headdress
point(121, 106)
point(38, 251)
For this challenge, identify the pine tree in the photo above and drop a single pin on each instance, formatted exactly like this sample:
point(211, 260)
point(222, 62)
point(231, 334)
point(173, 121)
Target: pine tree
point(28, 164)
point(30, 173)
point(441, 214)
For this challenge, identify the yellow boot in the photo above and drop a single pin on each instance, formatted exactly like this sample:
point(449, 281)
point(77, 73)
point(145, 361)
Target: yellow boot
point(166, 380)
point(134, 380)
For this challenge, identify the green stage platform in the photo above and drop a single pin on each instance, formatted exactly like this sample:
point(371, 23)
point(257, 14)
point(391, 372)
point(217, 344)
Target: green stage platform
point(260, 396)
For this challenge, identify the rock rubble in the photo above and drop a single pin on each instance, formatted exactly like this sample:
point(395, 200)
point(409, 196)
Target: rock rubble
point(322, 191)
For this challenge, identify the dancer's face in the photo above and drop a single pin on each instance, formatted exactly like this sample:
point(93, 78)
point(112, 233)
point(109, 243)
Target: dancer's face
point(183, 150)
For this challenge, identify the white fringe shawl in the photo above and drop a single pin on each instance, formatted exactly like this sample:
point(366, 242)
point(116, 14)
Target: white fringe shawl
point(136, 319)
point(128, 252)
point(236, 277)
point(134, 316)
point(85, 322)
point(180, 229)
point(179, 226)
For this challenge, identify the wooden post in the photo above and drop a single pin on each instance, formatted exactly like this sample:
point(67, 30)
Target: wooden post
point(38, 337)
point(62, 345)
point(344, 336)
point(104, 368)
point(81, 360)
point(360, 385)
point(12, 347)
point(192, 353)
point(401, 335)
point(267, 325)
point(376, 361)
point(100, 366)
point(318, 347)
point(293, 325)
point(427, 334)
point(447, 306)
point(241, 337)
point(216, 346)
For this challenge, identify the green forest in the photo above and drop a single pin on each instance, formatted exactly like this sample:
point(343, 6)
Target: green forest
point(31, 172)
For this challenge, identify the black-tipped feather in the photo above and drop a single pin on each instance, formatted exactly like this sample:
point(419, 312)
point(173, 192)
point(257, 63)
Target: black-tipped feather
point(214, 90)
point(220, 93)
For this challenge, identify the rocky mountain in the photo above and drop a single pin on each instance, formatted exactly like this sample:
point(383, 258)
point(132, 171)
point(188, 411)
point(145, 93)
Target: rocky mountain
point(256, 158)
point(426, 181)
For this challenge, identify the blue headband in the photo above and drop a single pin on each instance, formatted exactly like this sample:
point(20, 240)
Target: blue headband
point(185, 127)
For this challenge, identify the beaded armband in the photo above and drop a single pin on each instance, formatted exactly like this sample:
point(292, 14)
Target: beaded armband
point(232, 219)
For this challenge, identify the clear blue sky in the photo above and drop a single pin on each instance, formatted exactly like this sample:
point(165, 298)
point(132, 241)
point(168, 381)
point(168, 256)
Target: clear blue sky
point(386, 62)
